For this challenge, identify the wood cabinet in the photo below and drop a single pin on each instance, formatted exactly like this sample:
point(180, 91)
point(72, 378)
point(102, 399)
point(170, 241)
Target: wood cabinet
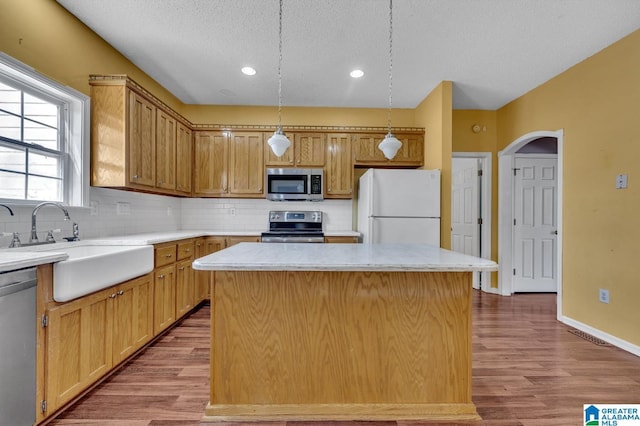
point(142, 137)
point(166, 144)
point(136, 141)
point(86, 337)
point(307, 150)
point(341, 239)
point(228, 164)
point(164, 298)
point(185, 282)
point(366, 152)
point(184, 158)
point(203, 247)
point(338, 175)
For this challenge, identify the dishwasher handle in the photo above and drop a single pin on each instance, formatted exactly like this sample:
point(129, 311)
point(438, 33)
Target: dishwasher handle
point(15, 281)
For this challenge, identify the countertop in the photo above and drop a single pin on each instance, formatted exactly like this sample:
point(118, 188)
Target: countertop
point(341, 257)
point(24, 257)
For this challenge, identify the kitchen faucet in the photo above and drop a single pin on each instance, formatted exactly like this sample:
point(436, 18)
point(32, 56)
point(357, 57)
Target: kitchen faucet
point(8, 208)
point(34, 235)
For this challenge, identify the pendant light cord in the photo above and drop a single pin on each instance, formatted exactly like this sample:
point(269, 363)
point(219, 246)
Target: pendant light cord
point(390, 60)
point(280, 70)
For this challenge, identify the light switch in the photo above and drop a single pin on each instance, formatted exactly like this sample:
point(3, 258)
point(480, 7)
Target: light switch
point(621, 181)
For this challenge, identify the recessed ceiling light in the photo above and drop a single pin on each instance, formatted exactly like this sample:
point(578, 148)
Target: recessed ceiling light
point(356, 73)
point(248, 71)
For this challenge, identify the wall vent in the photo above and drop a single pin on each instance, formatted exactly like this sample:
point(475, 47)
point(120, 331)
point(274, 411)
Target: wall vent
point(588, 337)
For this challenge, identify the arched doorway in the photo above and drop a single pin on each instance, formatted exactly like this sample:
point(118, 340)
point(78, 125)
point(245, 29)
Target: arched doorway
point(506, 211)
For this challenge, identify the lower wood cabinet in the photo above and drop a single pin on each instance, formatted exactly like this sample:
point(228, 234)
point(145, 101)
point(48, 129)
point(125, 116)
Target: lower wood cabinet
point(164, 299)
point(87, 337)
point(341, 239)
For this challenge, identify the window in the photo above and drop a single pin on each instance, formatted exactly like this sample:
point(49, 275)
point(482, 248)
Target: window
point(43, 133)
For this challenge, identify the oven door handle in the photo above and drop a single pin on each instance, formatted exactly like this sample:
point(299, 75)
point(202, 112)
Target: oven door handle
point(295, 239)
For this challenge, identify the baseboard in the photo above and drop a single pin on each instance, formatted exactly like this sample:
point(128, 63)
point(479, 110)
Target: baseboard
point(615, 341)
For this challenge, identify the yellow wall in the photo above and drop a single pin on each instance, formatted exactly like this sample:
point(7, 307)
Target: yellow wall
point(434, 114)
point(597, 103)
point(465, 140)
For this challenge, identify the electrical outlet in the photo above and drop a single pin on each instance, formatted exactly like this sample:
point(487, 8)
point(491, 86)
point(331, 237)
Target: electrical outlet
point(123, 208)
point(232, 211)
point(621, 181)
point(604, 295)
point(94, 208)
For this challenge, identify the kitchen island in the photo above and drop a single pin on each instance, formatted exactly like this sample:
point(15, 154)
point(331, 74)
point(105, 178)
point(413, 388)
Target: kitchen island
point(340, 332)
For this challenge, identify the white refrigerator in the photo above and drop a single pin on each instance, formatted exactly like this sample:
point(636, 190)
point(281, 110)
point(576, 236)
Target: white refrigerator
point(399, 206)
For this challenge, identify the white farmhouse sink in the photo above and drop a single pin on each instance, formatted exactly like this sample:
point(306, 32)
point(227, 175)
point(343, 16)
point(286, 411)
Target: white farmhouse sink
point(91, 268)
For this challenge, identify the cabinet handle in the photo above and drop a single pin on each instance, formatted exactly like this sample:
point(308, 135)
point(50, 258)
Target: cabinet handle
point(181, 268)
point(169, 255)
point(120, 293)
point(161, 276)
point(135, 177)
point(112, 296)
point(159, 182)
point(187, 250)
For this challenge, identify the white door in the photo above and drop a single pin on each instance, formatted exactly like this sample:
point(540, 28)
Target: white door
point(465, 206)
point(535, 223)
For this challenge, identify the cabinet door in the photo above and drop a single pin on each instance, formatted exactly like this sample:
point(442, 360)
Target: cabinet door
point(142, 141)
point(286, 160)
point(185, 293)
point(412, 151)
point(164, 305)
point(132, 316)
point(309, 149)
point(246, 164)
point(339, 169)
point(341, 240)
point(365, 149)
point(183, 159)
point(211, 161)
point(79, 351)
point(241, 239)
point(205, 246)
point(166, 137)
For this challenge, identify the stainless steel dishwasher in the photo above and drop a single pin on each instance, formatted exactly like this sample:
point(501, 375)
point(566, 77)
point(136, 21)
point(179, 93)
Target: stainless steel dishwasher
point(18, 347)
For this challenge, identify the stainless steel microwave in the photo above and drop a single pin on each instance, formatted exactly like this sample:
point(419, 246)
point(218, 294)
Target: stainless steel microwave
point(293, 184)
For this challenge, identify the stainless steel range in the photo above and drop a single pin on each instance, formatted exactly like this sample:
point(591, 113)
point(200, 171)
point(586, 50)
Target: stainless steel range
point(294, 227)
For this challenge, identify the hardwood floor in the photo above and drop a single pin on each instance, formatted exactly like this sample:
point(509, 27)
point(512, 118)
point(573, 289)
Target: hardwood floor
point(527, 370)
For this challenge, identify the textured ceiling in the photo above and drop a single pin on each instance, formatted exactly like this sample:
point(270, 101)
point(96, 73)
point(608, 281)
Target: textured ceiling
point(492, 50)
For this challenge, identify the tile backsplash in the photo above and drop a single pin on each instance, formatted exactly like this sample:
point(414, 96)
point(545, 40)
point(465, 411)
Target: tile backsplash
point(116, 212)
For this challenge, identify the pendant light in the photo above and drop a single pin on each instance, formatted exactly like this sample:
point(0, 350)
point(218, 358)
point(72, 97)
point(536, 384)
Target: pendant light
point(390, 144)
point(278, 141)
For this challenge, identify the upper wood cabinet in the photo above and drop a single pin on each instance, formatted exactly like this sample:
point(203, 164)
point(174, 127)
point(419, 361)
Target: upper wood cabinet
point(366, 152)
point(135, 140)
point(228, 164)
point(307, 150)
point(184, 158)
point(338, 175)
point(166, 144)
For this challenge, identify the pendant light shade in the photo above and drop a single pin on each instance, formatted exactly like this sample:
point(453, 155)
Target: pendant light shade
point(390, 144)
point(278, 141)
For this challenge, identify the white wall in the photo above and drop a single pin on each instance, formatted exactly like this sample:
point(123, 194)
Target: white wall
point(157, 213)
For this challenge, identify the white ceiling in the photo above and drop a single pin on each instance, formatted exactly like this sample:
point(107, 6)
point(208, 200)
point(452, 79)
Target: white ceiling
point(492, 50)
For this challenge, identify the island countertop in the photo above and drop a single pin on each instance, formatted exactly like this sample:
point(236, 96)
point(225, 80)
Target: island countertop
point(340, 257)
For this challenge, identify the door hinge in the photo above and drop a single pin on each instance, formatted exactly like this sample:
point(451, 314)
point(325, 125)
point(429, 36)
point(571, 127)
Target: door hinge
point(479, 221)
point(479, 172)
point(514, 171)
point(514, 222)
point(45, 320)
point(514, 271)
point(43, 406)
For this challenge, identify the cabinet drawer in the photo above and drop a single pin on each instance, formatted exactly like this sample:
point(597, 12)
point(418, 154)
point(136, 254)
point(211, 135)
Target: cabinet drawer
point(165, 255)
point(185, 250)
